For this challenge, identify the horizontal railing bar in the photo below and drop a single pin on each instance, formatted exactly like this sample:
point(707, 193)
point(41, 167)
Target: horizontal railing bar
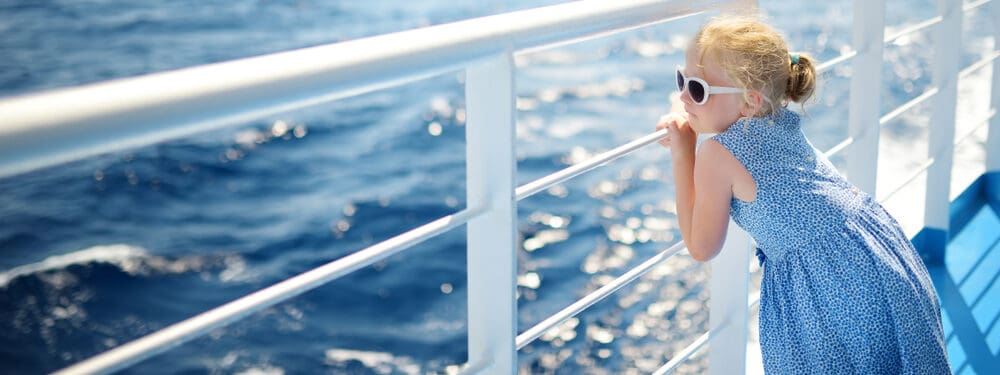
point(912, 29)
point(837, 60)
point(686, 353)
point(974, 4)
point(929, 22)
point(985, 61)
point(982, 121)
point(546, 182)
point(906, 106)
point(753, 300)
point(916, 173)
point(839, 147)
point(186, 330)
point(534, 332)
point(131, 112)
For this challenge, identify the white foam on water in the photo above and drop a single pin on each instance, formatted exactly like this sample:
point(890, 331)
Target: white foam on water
point(135, 260)
point(263, 370)
point(124, 256)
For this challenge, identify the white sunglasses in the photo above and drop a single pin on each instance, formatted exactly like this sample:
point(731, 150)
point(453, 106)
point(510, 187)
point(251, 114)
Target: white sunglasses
point(699, 90)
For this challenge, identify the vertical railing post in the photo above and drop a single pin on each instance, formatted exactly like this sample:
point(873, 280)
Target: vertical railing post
point(865, 102)
point(492, 253)
point(941, 147)
point(993, 135)
point(729, 286)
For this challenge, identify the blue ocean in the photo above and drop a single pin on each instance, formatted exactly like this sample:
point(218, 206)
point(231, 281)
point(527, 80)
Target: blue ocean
point(101, 251)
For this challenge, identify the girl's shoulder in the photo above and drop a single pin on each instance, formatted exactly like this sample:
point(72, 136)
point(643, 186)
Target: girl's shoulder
point(781, 120)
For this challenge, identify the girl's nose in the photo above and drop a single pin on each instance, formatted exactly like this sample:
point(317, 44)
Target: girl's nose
point(686, 96)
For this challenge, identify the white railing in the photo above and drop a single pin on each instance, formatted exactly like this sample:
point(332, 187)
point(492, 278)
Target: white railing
point(103, 117)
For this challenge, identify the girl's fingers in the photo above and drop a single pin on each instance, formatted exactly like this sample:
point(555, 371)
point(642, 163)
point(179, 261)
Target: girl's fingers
point(669, 122)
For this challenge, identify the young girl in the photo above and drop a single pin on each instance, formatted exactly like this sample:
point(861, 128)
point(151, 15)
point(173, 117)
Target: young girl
point(843, 290)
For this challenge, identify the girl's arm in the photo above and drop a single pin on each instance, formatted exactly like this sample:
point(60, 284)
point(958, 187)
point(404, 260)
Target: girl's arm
point(704, 187)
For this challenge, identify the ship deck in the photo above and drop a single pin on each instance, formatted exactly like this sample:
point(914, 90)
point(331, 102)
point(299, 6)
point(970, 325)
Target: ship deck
point(968, 281)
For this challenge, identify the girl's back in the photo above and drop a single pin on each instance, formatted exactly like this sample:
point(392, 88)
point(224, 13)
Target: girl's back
point(800, 196)
point(841, 280)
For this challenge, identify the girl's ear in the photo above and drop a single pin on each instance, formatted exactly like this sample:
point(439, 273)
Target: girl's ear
point(753, 104)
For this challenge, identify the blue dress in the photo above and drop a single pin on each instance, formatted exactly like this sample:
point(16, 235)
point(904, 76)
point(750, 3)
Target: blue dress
point(843, 290)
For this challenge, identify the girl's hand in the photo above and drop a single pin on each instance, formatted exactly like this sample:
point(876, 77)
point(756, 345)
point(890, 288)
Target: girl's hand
point(680, 136)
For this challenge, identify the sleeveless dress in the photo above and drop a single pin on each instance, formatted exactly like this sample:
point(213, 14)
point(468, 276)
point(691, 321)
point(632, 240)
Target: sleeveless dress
point(843, 289)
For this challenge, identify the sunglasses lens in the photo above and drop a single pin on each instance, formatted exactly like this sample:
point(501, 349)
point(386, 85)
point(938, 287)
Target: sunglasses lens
point(680, 81)
point(697, 91)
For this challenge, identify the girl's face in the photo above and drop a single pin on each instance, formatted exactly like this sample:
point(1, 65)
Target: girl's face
point(721, 110)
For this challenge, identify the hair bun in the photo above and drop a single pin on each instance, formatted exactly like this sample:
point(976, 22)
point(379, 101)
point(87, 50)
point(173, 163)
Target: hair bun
point(801, 77)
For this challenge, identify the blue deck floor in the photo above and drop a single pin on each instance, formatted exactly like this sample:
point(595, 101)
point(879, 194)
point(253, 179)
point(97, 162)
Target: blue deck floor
point(968, 283)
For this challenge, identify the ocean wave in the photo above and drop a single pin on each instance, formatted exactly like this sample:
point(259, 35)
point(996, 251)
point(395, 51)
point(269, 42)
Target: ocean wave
point(133, 260)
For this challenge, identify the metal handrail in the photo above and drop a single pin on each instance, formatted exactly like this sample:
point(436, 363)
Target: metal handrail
point(188, 329)
point(982, 122)
point(913, 29)
point(913, 176)
point(840, 146)
point(686, 353)
point(885, 119)
point(985, 61)
point(570, 311)
point(845, 57)
point(114, 115)
point(563, 175)
point(892, 115)
point(920, 26)
point(974, 4)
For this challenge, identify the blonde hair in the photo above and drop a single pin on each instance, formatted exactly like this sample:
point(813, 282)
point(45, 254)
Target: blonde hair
point(754, 56)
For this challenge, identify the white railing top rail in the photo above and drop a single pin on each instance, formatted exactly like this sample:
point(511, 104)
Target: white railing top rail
point(131, 112)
